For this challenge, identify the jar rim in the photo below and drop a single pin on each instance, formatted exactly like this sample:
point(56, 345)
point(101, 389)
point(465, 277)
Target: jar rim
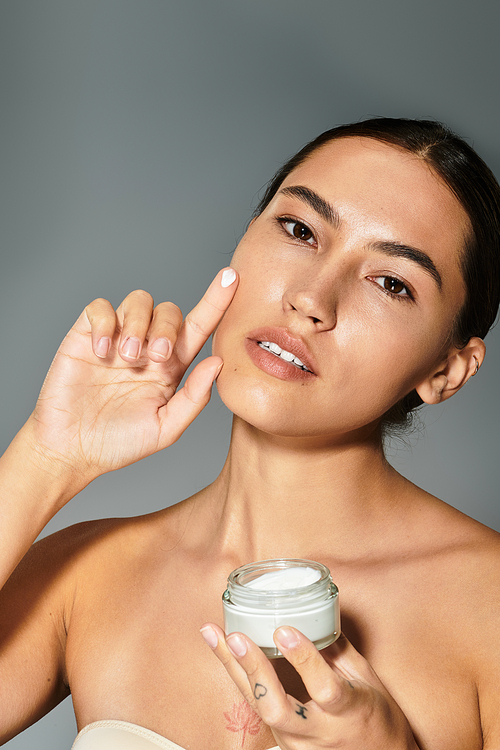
point(239, 577)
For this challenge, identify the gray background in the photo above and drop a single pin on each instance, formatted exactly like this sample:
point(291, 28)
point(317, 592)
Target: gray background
point(135, 138)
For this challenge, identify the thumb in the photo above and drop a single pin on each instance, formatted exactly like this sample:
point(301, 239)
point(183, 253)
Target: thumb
point(188, 401)
point(350, 664)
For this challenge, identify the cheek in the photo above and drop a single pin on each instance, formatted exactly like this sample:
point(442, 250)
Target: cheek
point(232, 326)
point(258, 300)
point(259, 260)
point(395, 364)
point(385, 351)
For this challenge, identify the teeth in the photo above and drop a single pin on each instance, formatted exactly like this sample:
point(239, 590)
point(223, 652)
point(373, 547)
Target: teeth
point(279, 352)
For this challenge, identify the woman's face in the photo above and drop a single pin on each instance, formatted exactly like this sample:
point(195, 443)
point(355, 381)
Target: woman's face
point(353, 269)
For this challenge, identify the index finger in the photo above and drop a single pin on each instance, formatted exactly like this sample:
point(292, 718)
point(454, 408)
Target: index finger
point(203, 319)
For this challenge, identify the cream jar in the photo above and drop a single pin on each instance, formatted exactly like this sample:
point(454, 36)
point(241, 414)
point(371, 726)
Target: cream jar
point(263, 596)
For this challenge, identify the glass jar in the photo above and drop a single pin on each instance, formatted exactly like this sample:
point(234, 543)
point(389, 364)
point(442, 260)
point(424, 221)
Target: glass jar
point(263, 596)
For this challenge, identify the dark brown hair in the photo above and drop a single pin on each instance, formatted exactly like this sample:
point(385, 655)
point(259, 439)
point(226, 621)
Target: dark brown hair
point(473, 184)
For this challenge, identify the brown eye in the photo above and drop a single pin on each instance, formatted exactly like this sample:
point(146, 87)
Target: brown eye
point(298, 230)
point(301, 232)
point(395, 286)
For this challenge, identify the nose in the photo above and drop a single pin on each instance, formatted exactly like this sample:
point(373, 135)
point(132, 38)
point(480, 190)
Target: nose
point(312, 299)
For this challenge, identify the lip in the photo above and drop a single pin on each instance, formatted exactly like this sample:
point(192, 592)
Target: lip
point(274, 365)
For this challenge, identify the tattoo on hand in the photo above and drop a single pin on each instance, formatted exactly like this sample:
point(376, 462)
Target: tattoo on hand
point(302, 711)
point(259, 691)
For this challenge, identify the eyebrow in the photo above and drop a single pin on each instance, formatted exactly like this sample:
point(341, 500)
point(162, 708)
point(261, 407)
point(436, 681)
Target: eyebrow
point(328, 212)
point(410, 253)
point(322, 207)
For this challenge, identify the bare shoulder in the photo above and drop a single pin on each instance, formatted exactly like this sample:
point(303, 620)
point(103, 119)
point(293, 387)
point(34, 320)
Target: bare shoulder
point(466, 571)
point(465, 553)
point(79, 556)
point(38, 601)
point(89, 544)
point(439, 529)
point(47, 574)
point(453, 562)
point(481, 594)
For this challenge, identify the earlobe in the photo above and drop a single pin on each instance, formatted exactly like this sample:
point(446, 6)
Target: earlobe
point(453, 372)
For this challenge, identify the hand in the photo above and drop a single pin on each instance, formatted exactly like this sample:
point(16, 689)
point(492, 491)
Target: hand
point(349, 707)
point(110, 397)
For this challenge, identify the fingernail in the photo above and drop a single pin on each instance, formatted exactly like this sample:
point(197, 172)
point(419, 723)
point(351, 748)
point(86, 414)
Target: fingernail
point(161, 347)
point(228, 276)
point(217, 372)
point(286, 638)
point(103, 346)
point(132, 348)
point(210, 636)
point(236, 644)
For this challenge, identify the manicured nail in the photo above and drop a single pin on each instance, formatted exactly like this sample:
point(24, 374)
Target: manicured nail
point(161, 347)
point(228, 276)
point(132, 348)
point(103, 346)
point(236, 644)
point(286, 638)
point(210, 636)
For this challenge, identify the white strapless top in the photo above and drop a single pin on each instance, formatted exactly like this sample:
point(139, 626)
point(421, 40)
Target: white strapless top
point(121, 735)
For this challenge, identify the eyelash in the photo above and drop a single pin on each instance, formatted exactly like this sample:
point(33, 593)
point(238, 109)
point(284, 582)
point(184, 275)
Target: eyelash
point(284, 220)
point(408, 297)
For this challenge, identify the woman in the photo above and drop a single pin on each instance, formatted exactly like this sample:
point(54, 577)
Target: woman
point(373, 260)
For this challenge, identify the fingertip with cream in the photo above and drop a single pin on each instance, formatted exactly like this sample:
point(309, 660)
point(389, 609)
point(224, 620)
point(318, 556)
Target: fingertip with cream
point(228, 277)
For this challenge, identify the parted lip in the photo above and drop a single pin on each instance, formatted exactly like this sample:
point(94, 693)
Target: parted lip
point(287, 341)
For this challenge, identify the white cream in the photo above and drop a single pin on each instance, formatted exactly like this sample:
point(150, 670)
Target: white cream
point(263, 596)
point(284, 579)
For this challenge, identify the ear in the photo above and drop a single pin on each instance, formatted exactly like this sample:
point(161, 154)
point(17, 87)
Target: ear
point(453, 372)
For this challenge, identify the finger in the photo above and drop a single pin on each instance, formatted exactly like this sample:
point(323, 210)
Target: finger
point(215, 638)
point(163, 331)
point(331, 689)
point(134, 316)
point(349, 663)
point(102, 318)
point(203, 319)
point(255, 677)
point(188, 402)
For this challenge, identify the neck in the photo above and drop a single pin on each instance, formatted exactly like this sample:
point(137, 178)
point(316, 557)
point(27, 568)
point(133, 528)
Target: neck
point(280, 497)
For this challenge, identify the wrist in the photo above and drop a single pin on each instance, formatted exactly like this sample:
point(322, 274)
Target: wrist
point(52, 478)
point(33, 487)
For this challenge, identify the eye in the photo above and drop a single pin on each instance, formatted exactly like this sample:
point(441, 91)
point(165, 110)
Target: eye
point(298, 230)
point(393, 286)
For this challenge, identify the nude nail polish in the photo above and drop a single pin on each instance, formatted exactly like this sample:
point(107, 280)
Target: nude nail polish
point(132, 348)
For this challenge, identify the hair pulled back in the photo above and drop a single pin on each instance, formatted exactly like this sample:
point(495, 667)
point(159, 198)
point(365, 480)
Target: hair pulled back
point(476, 188)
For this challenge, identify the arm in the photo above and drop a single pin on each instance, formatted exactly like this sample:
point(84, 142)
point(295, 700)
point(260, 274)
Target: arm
point(110, 398)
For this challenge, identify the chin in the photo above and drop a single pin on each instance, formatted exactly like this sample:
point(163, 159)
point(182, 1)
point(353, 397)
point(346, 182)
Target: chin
point(260, 405)
point(251, 402)
point(269, 412)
